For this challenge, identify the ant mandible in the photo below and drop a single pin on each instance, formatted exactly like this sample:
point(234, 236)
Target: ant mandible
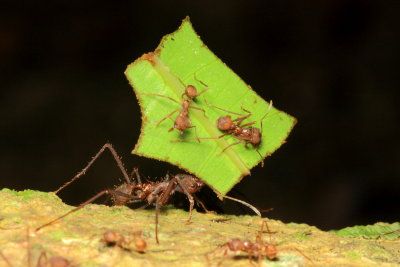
point(182, 121)
point(154, 193)
point(245, 134)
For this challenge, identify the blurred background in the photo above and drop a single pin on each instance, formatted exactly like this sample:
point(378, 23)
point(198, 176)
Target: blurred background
point(334, 65)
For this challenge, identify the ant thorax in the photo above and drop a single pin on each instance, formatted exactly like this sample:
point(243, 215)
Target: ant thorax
point(125, 191)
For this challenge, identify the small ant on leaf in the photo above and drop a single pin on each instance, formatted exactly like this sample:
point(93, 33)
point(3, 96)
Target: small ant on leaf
point(154, 193)
point(114, 239)
point(233, 127)
point(182, 121)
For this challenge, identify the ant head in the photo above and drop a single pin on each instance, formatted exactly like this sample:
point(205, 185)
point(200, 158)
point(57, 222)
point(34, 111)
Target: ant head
point(270, 251)
point(224, 123)
point(191, 91)
point(191, 183)
point(256, 137)
point(235, 244)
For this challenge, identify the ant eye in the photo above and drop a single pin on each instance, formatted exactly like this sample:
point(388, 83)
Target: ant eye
point(193, 186)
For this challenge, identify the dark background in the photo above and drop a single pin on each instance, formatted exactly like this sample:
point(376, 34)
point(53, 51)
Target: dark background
point(331, 64)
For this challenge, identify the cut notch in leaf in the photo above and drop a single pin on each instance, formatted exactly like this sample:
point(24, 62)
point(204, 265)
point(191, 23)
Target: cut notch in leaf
point(180, 58)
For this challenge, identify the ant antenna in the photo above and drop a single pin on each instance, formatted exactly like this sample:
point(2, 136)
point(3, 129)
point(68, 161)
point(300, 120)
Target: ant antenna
point(243, 203)
point(269, 109)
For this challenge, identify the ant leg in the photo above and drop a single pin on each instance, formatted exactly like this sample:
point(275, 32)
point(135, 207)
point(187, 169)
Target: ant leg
point(189, 196)
point(42, 261)
point(166, 117)
point(262, 160)
point(203, 83)
point(198, 138)
point(5, 259)
point(28, 247)
point(199, 202)
point(107, 191)
point(135, 172)
point(157, 212)
point(233, 144)
point(83, 171)
point(198, 109)
point(211, 105)
point(167, 97)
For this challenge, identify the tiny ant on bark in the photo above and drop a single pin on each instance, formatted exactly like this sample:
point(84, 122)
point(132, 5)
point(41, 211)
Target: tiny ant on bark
point(256, 249)
point(182, 121)
point(43, 261)
point(114, 239)
point(245, 134)
point(154, 193)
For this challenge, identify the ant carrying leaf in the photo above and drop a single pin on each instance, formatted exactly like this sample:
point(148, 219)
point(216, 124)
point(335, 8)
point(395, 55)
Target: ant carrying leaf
point(152, 193)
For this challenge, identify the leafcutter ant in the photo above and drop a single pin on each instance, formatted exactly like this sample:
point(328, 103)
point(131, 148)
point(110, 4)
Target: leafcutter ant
point(43, 260)
point(182, 121)
point(114, 239)
point(152, 193)
point(245, 134)
point(257, 249)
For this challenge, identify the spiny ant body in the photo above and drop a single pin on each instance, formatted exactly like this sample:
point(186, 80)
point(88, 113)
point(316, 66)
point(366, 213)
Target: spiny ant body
point(182, 121)
point(152, 193)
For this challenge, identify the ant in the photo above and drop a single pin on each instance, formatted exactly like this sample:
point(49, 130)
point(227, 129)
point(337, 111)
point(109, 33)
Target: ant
point(113, 239)
point(182, 121)
point(56, 261)
point(245, 134)
point(256, 249)
point(154, 193)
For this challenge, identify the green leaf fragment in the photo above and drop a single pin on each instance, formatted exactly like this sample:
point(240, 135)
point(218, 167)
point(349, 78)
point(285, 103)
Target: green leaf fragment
point(182, 59)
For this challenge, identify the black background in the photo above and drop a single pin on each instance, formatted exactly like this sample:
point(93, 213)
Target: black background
point(331, 64)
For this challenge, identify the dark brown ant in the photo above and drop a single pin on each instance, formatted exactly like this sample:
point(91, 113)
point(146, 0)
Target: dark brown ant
point(154, 193)
point(257, 249)
point(245, 134)
point(182, 121)
point(114, 239)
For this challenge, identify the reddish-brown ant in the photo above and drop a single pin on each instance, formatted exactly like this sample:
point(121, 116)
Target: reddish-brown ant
point(256, 249)
point(245, 134)
point(182, 121)
point(56, 261)
point(154, 193)
point(114, 239)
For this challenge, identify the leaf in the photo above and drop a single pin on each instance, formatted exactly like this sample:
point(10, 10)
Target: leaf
point(378, 230)
point(182, 59)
